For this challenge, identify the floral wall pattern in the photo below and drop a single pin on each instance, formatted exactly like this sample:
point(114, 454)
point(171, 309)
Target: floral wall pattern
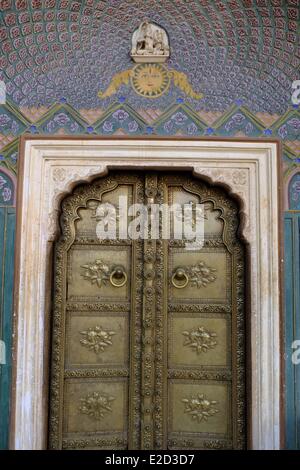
point(294, 192)
point(6, 190)
point(243, 55)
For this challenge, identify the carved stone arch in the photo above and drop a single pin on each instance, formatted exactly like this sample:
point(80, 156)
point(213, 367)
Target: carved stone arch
point(64, 180)
point(223, 200)
point(235, 182)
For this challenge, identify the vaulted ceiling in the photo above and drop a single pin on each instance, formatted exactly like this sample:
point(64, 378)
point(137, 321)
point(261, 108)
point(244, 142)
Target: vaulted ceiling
point(244, 51)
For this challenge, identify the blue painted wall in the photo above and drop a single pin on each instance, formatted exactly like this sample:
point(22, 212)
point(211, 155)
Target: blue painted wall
point(292, 327)
point(7, 236)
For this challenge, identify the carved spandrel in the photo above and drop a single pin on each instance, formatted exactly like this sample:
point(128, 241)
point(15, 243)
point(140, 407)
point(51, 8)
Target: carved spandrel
point(238, 182)
point(61, 182)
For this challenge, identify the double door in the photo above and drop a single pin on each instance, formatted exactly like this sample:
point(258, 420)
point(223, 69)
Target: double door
point(148, 335)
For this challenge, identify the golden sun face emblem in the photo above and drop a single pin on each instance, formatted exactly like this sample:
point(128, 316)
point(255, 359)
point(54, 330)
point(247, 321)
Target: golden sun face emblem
point(150, 80)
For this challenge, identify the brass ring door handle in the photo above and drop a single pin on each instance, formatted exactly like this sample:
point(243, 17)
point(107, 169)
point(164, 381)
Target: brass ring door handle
point(180, 278)
point(118, 277)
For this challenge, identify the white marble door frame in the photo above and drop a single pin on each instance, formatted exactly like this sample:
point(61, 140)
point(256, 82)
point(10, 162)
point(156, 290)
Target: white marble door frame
point(51, 167)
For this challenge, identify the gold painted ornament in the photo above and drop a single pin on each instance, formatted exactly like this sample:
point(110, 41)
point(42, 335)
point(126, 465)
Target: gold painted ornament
point(150, 81)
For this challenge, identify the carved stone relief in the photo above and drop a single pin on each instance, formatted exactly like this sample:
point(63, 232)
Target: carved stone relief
point(150, 43)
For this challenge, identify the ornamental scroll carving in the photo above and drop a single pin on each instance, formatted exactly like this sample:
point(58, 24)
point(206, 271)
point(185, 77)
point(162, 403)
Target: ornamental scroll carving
point(239, 183)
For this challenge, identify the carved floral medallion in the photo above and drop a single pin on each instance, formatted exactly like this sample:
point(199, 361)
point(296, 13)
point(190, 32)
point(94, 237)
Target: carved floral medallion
point(200, 339)
point(100, 273)
point(96, 272)
point(200, 408)
point(201, 275)
point(97, 339)
point(96, 405)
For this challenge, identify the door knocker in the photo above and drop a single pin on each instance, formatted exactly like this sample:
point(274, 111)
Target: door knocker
point(180, 279)
point(118, 276)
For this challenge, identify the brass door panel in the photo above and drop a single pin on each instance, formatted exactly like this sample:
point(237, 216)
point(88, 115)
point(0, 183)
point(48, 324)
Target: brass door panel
point(96, 349)
point(148, 346)
point(185, 346)
point(202, 366)
point(97, 341)
point(86, 260)
point(216, 261)
point(182, 419)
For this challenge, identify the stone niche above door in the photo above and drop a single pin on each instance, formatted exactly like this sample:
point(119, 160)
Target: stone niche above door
point(50, 169)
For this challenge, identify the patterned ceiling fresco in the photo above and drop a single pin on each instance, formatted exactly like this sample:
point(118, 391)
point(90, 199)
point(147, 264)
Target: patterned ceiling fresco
point(242, 55)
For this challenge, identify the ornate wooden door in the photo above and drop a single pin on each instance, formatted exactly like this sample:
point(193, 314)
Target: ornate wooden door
point(148, 333)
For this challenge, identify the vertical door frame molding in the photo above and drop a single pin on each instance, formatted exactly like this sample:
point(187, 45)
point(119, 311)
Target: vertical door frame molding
point(49, 169)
